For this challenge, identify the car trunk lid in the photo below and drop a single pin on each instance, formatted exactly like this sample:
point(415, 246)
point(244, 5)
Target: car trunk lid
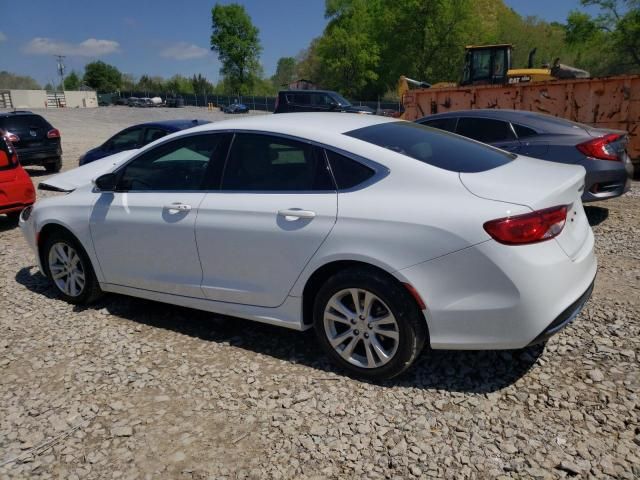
point(538, 184)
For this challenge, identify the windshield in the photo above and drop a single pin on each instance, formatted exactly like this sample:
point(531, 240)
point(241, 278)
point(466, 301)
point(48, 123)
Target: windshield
point(433, 146)
point(341, 100)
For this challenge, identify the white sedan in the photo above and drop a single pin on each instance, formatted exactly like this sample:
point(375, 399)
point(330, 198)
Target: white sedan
point(383, 235)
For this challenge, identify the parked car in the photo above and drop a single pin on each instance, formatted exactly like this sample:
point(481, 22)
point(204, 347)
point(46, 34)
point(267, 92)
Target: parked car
point(601, 152)
point(235, 108)
point(36, 140)
point(16, 188)
point(315, 101)
point(381, 234)
point(134, 102)
point(137, 136)
point(175, 102)
point(121, 101)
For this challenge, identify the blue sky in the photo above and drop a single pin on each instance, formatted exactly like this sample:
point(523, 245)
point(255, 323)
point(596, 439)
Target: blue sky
point(165, 37)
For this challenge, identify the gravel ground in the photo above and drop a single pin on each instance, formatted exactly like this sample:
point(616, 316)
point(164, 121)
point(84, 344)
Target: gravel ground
point(135, 389)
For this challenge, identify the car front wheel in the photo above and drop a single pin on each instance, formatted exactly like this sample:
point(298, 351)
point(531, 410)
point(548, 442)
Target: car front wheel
point(69, 269)
point(368, 324)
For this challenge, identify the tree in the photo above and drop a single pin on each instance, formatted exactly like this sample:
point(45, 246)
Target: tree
point(12, 81)
point(285, 72)
point(624, 28)
point(72, 82)
point(102, 77)
point(236, 41)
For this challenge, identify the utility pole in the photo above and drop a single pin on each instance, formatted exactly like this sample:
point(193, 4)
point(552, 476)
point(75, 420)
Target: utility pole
point(60, 59)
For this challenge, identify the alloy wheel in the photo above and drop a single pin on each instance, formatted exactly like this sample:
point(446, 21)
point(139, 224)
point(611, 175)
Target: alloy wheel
point(361, 328)
point(65, 267)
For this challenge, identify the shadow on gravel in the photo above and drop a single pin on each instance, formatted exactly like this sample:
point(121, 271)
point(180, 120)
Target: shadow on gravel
point(596, 215)
point(458, 371)
point(7, 223)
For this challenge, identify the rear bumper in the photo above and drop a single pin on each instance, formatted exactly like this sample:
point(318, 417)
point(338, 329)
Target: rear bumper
point(566, 317)
point(606, 179)
point(38, 156)
point(492, 296)
point(14, 196)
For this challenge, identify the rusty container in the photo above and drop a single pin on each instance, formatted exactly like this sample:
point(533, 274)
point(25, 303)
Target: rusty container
point(612, 102)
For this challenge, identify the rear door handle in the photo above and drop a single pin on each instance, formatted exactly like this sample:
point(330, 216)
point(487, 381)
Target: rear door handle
point(297, 213)
point(178, 207)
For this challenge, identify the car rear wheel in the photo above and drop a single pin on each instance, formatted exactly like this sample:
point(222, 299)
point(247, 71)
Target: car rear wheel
point(69, 269)
point(368, 324)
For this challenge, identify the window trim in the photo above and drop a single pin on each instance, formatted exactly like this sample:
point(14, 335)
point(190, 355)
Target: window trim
point(380, 171)
point(513, 126)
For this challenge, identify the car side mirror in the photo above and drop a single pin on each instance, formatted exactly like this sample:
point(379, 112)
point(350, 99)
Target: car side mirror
point(106, 182)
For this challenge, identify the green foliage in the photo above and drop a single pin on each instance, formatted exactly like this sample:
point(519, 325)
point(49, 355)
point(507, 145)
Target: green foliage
point(236, 41)
point(368, 45)
point(72, 82)
point(179, 84)
point(12, 81)
point(102, 77)
point(285, 72)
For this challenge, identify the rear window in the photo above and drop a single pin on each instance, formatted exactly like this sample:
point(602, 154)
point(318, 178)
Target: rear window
point(435, 147)
point(23, 122)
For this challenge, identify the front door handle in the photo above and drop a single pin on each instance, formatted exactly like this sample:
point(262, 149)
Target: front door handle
point(296, 213)
point(178, 207)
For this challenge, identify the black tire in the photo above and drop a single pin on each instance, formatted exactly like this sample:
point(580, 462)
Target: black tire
point(411, 324)
point(53, 167)
point(91, 289)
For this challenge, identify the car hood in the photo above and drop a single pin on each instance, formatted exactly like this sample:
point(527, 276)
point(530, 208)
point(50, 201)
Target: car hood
point(77, 177)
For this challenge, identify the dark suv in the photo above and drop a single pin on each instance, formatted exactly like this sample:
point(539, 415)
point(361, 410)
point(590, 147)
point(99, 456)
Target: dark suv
point(35, 140)
point(315, 101)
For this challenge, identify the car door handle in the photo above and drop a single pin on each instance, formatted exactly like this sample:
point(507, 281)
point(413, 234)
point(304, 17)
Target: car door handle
point(297, 213)
point(178, 207)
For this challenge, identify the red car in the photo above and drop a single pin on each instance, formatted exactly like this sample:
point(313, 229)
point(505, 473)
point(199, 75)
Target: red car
point(16, 188)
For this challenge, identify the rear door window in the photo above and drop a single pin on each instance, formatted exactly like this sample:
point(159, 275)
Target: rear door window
point(348, 173)
point(524, 132)
point(438, 148)
point(269, 163)
point(152, 134)
point(485, 130)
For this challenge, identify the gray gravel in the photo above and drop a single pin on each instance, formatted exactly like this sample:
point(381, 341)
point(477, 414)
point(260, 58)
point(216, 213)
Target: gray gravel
point(135, 389)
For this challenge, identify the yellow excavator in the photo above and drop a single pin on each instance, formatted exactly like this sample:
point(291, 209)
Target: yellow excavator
point(491, 65)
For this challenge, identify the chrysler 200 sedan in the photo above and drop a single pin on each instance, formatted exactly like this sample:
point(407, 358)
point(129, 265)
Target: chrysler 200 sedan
point(382, 235)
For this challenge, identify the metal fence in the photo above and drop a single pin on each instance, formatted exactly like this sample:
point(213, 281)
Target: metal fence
point(254, 102)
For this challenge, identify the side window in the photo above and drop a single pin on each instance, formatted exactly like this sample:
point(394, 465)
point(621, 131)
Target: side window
point(347, 172)
point(524, 132)
point(448, 124)
point(267, 163)
point(180, 164)
point(302, 99)
point(322, 100)
point(485, 130)
point(152, 134)
point(127, 140)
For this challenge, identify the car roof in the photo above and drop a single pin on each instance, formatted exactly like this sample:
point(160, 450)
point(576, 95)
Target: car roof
point(179, 124)
point(307, 91)
point(539, 121)
point(304, 124)
point(17, 113)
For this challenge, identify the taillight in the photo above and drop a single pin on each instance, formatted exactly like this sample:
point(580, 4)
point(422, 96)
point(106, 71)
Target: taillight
point(531, 227)
point(12, 137)
point(54, 133)
point(277, 102)
point(600, 147)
